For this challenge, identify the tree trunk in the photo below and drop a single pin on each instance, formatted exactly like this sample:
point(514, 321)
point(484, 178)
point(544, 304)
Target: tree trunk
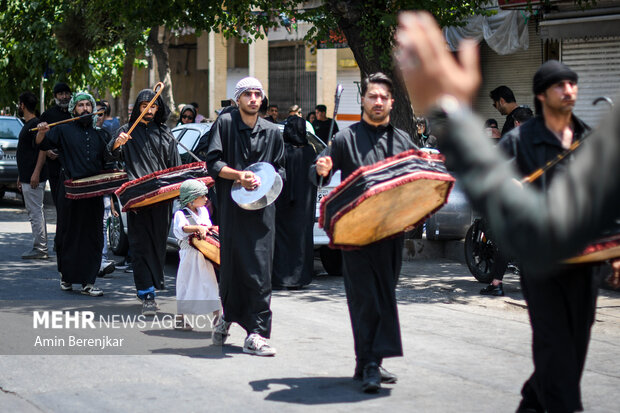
point(130, 56)
point(348, 16)
point(160, 51)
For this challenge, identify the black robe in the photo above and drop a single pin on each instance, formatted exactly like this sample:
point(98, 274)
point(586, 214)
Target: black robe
point(293, 261)
point(79, 225)
point(246, 237)
point(152, 148)
point(371, 272)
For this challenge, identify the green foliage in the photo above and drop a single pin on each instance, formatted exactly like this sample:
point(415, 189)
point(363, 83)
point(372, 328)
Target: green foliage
point(81, 41)
point(49, 41)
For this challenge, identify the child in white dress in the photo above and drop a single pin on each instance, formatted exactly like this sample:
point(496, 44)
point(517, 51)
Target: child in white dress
point(197, 288)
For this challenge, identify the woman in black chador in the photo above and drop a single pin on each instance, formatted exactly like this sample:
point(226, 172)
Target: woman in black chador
point(295, 210)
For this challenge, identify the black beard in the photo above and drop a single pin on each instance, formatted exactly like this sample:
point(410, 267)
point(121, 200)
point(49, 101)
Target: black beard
point(86, 120)
point(20, 113)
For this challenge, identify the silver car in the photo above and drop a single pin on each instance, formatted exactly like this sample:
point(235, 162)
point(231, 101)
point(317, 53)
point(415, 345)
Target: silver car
point(10, 126)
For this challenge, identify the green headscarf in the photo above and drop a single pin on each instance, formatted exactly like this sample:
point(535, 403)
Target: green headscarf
point(78, 96)
point(190, 190)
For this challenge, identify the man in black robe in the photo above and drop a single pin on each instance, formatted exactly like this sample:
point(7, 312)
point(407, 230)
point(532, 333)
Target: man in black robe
point(58, 112)
point(150, 148)
point(79, 228)
point(371, 272)
point(239, 139)
point(293, 261)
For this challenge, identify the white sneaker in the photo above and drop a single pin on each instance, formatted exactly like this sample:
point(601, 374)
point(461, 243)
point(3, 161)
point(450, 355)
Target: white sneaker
point(220, 332)
point(90, 289)
point(257, 345)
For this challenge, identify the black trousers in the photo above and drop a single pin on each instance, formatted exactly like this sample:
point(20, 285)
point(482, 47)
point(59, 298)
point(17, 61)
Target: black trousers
point(79, 238)
point(370, 277)
point(562, 306)
point(148, 230)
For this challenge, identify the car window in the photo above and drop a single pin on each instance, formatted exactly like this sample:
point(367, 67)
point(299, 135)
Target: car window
point(10, 128)
point(177, 133)
point(316, 142)
point(189, 139)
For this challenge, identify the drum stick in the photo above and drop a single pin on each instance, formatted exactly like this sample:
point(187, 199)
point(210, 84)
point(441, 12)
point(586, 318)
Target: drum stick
point(339, 90)
point(100, 112)
point(159, 87)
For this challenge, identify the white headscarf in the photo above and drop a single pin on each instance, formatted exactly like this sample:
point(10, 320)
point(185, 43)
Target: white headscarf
point(248, 83)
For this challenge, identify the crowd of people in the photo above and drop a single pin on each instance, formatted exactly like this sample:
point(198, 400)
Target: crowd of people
point(540, 222)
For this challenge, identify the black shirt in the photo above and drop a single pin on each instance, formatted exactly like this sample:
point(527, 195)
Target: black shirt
point(81, 148)
point(363, 144)
point(321, 128)
point(28, 153)
point(54, 114)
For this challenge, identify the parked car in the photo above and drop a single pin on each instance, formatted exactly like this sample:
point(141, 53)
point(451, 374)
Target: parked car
point(189, 135)
point(10, 126)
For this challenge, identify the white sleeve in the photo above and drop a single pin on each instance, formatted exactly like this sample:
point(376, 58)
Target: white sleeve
point(205, 219)
point(179, 222)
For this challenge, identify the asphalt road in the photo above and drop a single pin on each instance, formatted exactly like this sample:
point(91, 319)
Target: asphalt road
point(462, 352)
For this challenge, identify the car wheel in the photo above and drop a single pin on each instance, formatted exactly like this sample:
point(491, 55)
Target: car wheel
point(481, 254)
point(331, 260)
point(119, 243)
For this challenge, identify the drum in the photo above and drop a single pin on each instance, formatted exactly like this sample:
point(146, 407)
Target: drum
point(602, 250)
point(104, 183)
point(160, 186)
point(210, 247)
point(381, 200)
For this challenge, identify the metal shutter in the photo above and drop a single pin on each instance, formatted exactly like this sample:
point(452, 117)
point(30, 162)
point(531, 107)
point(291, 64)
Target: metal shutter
point(349, 110)
point(515, 71)
point(289, 82)
point(597, 62)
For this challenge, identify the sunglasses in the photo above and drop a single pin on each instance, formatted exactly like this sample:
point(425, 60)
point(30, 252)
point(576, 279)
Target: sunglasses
point(186, 117)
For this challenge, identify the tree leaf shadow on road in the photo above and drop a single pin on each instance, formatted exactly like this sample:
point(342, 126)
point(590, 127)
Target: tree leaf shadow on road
point(315, 390)
point(202, 352)
point(421, 282)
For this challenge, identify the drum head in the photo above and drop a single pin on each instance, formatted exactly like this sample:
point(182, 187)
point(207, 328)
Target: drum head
point(267, 192)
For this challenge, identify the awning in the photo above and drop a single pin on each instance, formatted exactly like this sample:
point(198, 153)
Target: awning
point(505, 32)
point(580, 27)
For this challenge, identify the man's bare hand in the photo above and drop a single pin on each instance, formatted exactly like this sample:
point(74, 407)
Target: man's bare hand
point(122, 139)
point(43, 127)
point(249, 181)
point(324, 165)
point(51, 154)
point(34, 180)
point(429, 69)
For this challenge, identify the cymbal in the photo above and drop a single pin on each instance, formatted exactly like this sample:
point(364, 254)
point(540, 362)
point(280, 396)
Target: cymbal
point(265, 194)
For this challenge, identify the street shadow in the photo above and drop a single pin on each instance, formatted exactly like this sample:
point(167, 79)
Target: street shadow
point(202, 352)
point(315, 390)
point(187, 335)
